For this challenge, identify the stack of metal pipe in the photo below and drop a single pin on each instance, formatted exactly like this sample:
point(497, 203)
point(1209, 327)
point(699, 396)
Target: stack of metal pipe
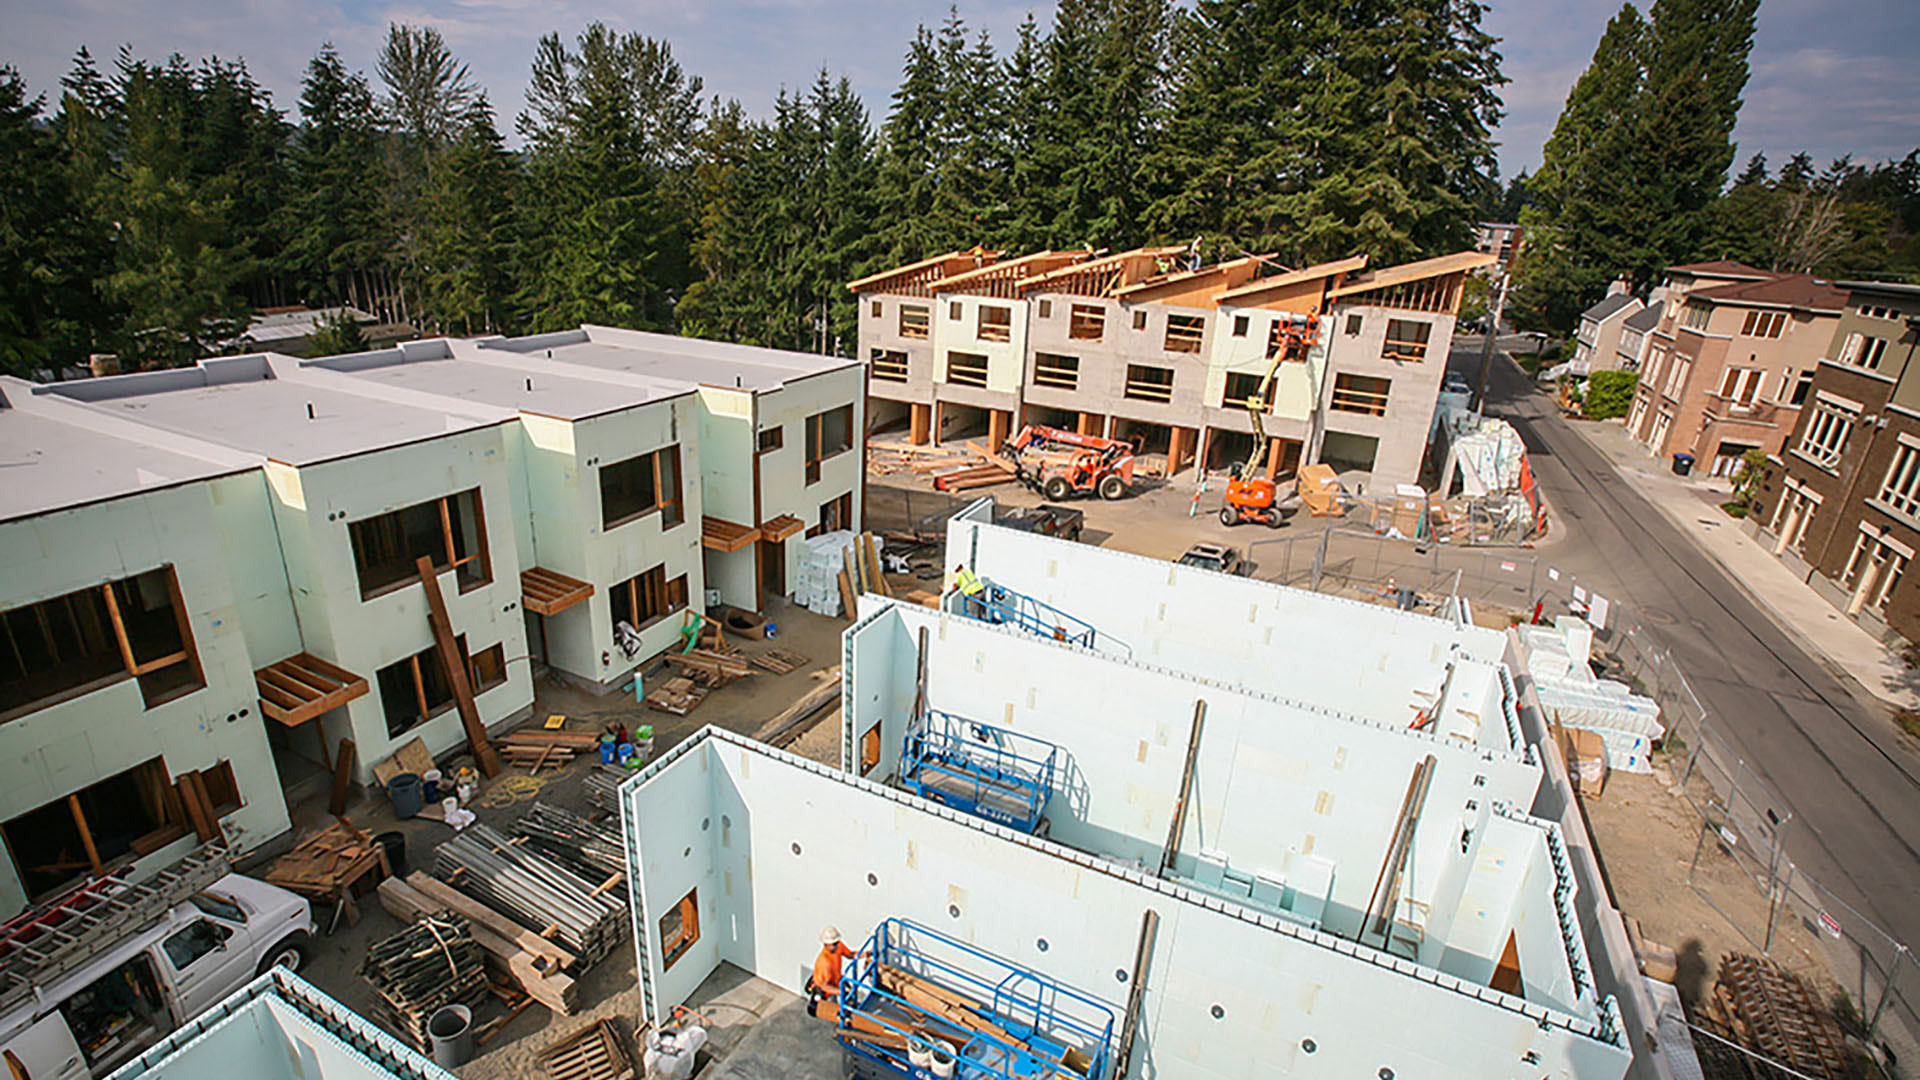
point(594, 849)
point(603, 787)
point(533, 890)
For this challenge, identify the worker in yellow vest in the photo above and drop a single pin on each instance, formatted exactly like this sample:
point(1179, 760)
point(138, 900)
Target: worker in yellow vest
point(971, 588)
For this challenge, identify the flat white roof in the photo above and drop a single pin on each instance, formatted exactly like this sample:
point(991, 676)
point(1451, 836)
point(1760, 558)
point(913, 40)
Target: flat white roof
point(666, 358)
point(48, 464)
point(475, 373)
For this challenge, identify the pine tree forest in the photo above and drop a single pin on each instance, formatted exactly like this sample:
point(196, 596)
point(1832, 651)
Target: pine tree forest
point(151, 206)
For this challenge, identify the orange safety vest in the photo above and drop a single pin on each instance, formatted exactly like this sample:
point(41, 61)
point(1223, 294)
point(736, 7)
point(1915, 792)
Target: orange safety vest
point(826, 966)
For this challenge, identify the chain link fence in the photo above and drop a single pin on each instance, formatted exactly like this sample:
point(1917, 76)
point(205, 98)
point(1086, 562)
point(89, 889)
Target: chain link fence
point(1739, 817)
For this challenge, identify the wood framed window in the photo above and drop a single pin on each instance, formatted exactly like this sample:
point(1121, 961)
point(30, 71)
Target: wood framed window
point(1243, 391)
point(889, 365)
point(996, 323)
point(1145, 382)
point(829, 434)
point(955, 311)
point(679, 928)
point(835, 514)
point(646, 598)
point(1361, 394)
point(451, 531)
point(773, 439)
point(1057, 371)
point(1763, 324)
point(877, 309)
point(416, 689)
point(1184, 333)
point(1046, 309)
point(115, 819)
point(1406, 340)
point(913, 321)
point(636, 487)
point(870, 749)
point(1087, 322)
point(1139, 320)
point(967, 369)
point(1240, 326)
point(133, 628)
point(487, 669)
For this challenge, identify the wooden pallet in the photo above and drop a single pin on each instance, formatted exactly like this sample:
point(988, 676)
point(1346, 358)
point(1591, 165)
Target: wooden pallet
point(676, 697)
point(1774, 1013)
point(595, 1053)
point(780, 661)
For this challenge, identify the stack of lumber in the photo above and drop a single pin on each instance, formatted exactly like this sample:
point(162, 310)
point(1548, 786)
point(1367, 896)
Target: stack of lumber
point(329, 865)
point(593, 849)
point(534, 891)
point(986, 470)
point(603, 787)
point(888, 458)
point(536, 746)
point(863, 572)
point(431, 964)
point(710, 668)
point(780, 661)
point(511, 950)
point(677, 696)
point(594, 1053)
point(1774, 1013)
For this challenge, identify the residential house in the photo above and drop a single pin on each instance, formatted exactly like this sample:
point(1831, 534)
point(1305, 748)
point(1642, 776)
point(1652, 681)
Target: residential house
point(1841, 502)
point(1636, 337)
point(1597, 342)
point(1731, 361)
point(1143, 346)
point(1502, 240)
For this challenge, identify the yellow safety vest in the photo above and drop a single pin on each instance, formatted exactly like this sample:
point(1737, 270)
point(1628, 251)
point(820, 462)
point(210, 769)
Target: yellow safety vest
point(964, 580)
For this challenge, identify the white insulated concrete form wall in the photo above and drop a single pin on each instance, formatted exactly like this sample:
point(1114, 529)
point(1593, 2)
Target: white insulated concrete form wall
point(229, 588)
point(772, 847)
point(1301, 796)
point(1353, 656)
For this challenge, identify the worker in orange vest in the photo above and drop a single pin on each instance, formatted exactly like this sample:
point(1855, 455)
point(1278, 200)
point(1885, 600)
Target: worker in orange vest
point(825, 981)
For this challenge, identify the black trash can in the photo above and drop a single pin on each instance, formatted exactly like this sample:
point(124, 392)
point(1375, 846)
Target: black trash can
point(1682, 464)
point(408, 794)
point(396, 845)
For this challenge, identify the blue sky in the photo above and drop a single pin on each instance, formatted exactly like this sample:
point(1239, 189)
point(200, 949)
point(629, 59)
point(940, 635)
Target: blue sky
point(1827, 80)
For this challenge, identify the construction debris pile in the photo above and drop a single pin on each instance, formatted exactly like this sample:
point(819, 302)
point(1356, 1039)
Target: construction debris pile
point(1773, 1012)
point(951, 468)
point(535, 891)
point(538, 747)
point(586, 847)
point(1559, 659)
point(431, 964)
point(512, 952)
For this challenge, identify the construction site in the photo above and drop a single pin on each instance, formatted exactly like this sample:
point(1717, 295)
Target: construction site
point(550, 707)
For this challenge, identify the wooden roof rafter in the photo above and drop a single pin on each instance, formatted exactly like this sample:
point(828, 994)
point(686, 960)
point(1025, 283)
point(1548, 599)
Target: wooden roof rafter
point(1002, 279)
point(1207, 280)
point(1103, 276)
point(1259, 291)
point(915, 279)
point(1406, 273)
point(301, 687)
point(722, 535)
point(550, 592)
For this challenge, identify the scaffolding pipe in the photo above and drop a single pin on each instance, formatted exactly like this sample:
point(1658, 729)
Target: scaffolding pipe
point(1137, 991)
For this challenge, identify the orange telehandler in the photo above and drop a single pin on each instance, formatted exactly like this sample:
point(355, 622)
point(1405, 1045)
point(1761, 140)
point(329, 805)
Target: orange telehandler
point(1057, 463)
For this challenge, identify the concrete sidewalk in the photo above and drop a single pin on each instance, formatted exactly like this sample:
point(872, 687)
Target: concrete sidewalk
point(1693, 505)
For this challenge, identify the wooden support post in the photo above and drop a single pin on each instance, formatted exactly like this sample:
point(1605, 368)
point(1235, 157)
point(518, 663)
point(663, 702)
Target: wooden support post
point(456, 661)
point(999, 425)
point(1137, 989)
point(1378, 919)
point(919, 420)
point(342, 776)
point(86, 834)
point(1273, 456)
point(1179, 822)
point(196, 813)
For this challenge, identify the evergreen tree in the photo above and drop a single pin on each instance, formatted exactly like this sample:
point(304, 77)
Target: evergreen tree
point(914, 157)
point(336, 241)
point(425, 108)
point(1023, 79)
point(46, 295)
point(610, 128)
point(468, 238)
point(336, 335)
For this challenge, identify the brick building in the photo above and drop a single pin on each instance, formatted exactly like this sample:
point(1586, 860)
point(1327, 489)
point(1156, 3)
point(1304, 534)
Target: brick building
point(1841, 502)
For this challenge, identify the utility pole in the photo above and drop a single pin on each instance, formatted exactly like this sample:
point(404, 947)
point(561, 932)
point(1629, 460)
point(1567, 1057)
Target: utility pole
point(1486, 348)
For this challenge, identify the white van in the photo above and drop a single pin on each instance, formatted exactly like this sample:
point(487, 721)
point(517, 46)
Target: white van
point(133, 984)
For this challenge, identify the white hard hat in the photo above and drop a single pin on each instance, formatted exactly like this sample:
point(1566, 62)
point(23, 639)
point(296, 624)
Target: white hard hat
point(830, 936)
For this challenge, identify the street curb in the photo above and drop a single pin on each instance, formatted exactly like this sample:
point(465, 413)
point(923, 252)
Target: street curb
point(1785, 626)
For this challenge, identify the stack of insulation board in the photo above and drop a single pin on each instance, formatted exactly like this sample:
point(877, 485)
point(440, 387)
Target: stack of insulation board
point(818, 587)
point(1557, 658)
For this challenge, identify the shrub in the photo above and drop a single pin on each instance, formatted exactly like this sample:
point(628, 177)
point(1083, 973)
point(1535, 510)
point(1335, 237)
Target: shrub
point(1609, 393)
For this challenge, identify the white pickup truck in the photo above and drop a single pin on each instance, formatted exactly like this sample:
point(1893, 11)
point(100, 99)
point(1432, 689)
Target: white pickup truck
point(80, 1004)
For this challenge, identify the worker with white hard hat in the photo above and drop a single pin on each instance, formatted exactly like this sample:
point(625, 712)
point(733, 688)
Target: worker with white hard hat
point(824, 984)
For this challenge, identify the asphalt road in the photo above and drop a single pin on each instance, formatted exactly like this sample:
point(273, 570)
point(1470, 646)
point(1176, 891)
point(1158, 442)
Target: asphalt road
point(1831, 755)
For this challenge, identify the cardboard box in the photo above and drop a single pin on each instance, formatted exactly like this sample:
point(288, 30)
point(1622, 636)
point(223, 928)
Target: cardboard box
point(1586, 756)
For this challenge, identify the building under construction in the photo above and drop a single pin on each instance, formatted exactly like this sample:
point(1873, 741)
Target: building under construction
point(1098, 817)
point(1144, 346)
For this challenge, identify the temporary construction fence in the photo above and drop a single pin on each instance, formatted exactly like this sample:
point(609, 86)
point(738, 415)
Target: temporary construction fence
point(1739, 816)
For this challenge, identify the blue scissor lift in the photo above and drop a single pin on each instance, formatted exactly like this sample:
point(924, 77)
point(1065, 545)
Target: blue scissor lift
point(999, 604)
point(990, 772)
point(916, 1003)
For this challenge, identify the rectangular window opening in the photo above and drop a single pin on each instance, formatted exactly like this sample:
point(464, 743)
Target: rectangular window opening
point(967, 369)
point(1361, 394)
point(115, 819)
point(773, 439)
point(1088, 322)
point(913, 321)
point(1185, 333)
point(83, 641)
point(679, 929)
point(829, 434)
point(888, 365)
point(870, 749)
point(646, 598)
point(1056, 371)
point(1243, 390)
point(1148, 383)
point(451, 531)
point(636, 487)
point(1406, 340)
point(996, 323)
